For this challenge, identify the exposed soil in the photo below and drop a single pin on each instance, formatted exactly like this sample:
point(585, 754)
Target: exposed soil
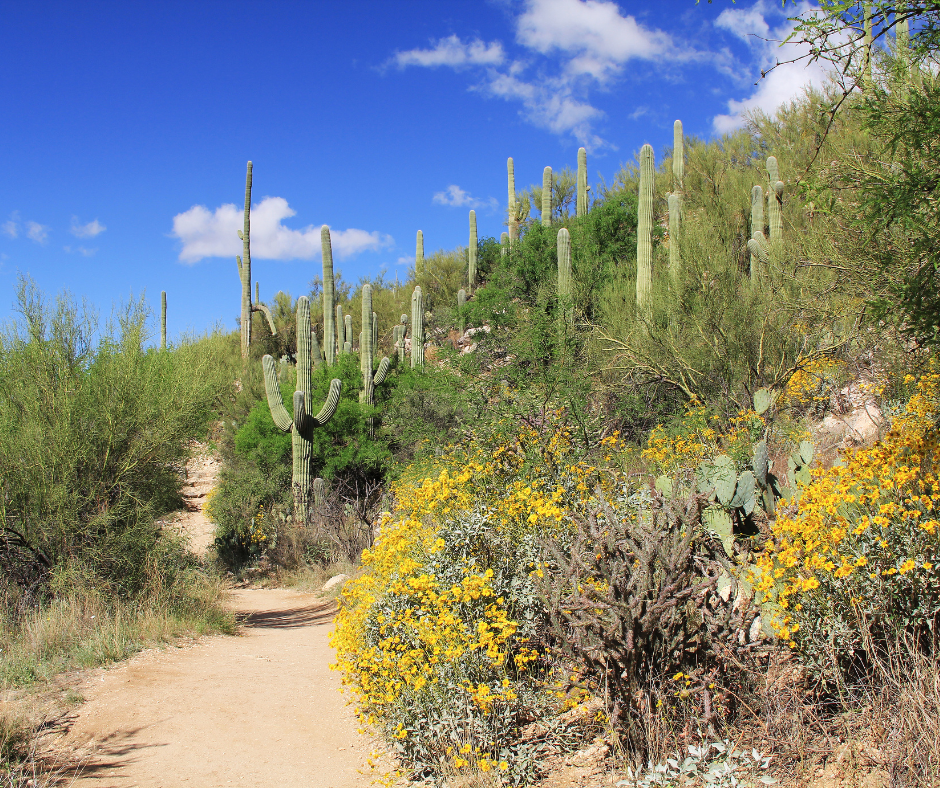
point(260, 709)
point(202, 474)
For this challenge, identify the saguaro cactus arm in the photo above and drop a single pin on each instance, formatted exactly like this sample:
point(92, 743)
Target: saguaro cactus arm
point(382, 372)
point(272, 388)
point(303, 421)
point(263, 309)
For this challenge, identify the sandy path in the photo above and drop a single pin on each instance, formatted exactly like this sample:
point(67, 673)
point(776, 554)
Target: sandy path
point(260, 709)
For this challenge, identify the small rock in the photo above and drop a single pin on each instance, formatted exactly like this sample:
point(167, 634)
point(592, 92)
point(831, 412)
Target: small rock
point(334, 581)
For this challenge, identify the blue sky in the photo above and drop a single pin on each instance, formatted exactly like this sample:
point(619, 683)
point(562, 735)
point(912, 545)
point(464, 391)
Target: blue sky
point(127, 127)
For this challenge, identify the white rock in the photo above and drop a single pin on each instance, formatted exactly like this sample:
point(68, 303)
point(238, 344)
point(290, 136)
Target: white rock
point(334, 581)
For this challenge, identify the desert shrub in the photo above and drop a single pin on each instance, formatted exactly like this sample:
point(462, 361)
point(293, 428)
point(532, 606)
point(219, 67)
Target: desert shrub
point(853, 570)
point(93, 430)
point(439, 638)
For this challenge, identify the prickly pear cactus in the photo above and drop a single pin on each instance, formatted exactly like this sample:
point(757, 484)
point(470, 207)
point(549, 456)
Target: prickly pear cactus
point(547, 197)
point(644, 232)
point(582, 203)
point(303, 422)
point(472, 253)
point(417, 329)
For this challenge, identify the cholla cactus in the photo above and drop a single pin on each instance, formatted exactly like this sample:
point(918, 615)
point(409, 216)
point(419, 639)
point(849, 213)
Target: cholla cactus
point(547, 197)
point(678, 156)
point(163, 320)
point(303, 423)
point(472, 252)
point(582, 198)
point(417, 329)
point(644, 231)
point(329, 327)
point(774, 201)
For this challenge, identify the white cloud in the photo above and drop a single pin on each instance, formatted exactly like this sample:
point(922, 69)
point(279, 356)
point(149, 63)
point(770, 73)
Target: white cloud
point(745, 23)
point(456, 197)
point(81, 250)
point(405, 261)
point(206, 233)
point(89, 230)
point(453, 52)
point(37, 232)
point(9, 228)
point(785, 82)
point(596, 36)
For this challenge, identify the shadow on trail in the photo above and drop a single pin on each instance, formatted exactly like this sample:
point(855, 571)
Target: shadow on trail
point(290, 618)
point(111, 755)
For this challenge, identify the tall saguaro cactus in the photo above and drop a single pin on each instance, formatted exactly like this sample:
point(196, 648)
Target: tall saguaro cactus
point(503, 244)
point(329, 328)
point(644, 230)
point(340, 331)
point(419, 254)
point(398, 336)
point(244, 272)
point(366, 352)
point(678, 156)
point(675, 212)
point(565, 296)
point(581, 207)
point(513, 225)
point(303, 423)
point(472, 253)
point(417, 329)
point(347, 343)
point(774, 201)
point(757, 226)
point(547, 197)
point(163, 320)
point(869, 41)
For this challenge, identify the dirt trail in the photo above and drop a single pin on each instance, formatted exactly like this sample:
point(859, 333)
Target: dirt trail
point(260, 709)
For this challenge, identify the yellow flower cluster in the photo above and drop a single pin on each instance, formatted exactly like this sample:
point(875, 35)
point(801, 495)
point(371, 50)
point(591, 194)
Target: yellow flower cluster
point(867, 529)
point(428, 623)
point(811, 382)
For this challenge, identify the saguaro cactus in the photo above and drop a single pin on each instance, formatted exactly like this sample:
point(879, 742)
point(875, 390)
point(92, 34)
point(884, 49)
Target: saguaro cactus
point(340, 331)
point(347, 344)
point(461, 303)
point(869, 41)
point(163, 319)
point(419, 254)
point(244, 272)
point(565, 296)
point(329, 328)
point(582, 199)
point(675, 211)
point(547, 197)
point(774, 201)
point(503, 244)
point(398, 335)
point(513, 226)
point(760, 252)
point(303, 423)
point(417, 329)
point(678, 156)
point(757, 226)
point(472, 252)
point(367, 350)
point(644, 230)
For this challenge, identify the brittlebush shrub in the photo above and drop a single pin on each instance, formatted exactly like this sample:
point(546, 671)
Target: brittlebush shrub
point(438, 639)
point(854, 571)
